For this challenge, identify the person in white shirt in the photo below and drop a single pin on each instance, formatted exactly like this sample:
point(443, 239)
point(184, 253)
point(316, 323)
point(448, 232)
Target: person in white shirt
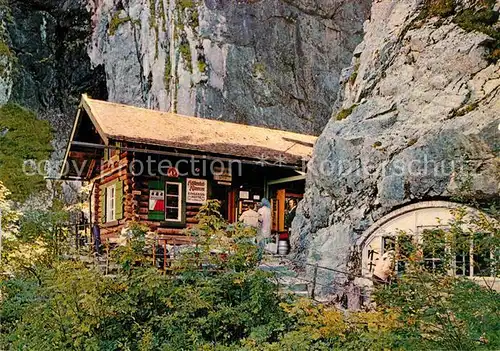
point(265, 220)
point(250, 217)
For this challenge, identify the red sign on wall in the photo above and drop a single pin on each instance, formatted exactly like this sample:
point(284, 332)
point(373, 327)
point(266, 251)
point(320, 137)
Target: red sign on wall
point(172, 172)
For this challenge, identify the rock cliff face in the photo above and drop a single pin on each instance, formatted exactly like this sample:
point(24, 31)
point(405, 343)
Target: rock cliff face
point(44, 62)
point(418, 119)
point(263, 62)
point(271, 62)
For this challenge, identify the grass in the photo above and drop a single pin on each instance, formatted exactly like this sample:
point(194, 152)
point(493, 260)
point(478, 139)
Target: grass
point(4, 49)
point(259, 68)
point(186, 4)
point(464, 110)
point(344, 113)
point(482, 20)
point(23, 137)
point(354, 75)
point(412, 141)
point(437, 8)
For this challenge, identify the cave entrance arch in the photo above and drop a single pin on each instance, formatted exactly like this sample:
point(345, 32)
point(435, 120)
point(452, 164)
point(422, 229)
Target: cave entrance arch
point(413, 219)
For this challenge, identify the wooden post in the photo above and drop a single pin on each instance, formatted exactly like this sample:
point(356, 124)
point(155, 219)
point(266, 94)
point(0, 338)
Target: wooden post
point(77, 241)
point(165, 255)
point(314, 281)
point(154, 252)
point(107, 257)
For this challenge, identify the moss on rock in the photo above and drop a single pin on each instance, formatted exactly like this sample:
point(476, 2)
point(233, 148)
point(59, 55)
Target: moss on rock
point(117, 21)
point(168, 72)
point(482, 20)
point(22, 137)
point(185, 52)
point(346, 112)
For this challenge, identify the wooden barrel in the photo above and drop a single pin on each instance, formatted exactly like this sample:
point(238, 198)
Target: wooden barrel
point(283, 247)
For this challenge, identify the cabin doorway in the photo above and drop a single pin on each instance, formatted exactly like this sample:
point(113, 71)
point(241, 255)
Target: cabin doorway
point(221, 193)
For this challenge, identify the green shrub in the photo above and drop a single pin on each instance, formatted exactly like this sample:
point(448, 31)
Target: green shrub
point(22, 137)
point(482, 20)
point(354, 74)
point(4, 49)
point(186, 4)
point(202, 66)
point(168, 72)
point(437, 8)
point(238, 307)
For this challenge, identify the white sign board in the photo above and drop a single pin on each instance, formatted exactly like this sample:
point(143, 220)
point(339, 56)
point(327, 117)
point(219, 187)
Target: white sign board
point(156, 200)
point(244, 195)
point(196, 190)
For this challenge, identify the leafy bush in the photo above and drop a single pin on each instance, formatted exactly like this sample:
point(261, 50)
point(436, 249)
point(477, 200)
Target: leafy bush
point(237, 306)
point(22, 137)
point(444, 311)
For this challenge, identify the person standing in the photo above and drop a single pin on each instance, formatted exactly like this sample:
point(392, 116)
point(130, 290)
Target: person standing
point(250, 217)
point(290, 215)
point(265, 221)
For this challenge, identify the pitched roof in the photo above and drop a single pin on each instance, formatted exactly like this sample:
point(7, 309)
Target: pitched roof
point(128, 123)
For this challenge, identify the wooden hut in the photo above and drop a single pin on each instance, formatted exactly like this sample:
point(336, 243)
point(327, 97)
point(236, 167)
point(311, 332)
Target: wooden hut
point(158, 168)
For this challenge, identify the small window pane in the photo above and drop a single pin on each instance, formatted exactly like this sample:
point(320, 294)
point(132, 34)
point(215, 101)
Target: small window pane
point(173, 189)
point(462, 263)
point(172, 213)
point(172, 201)
point(482, 265)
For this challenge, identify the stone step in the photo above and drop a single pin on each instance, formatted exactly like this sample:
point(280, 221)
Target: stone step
point(298, 287)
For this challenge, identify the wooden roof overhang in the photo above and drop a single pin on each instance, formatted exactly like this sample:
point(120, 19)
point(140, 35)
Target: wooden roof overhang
point(95, 130)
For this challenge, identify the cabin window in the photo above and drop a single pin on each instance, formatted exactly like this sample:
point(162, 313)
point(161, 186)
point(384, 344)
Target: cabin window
point(111, 203)
point(173, 201)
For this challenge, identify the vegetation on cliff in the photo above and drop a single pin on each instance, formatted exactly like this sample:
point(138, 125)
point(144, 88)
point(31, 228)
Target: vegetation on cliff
point(23, 137)
point(481, 18)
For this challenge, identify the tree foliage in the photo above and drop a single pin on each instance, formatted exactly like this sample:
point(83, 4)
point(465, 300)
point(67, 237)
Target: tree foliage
point(22, 137)
point(216, 298)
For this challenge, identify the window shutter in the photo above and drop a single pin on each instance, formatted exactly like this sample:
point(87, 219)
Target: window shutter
point(102, 202)
point(119, 200)
point(156, 215)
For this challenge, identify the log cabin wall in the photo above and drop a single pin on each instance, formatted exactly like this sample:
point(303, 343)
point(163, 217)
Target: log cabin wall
point(140, 194)
point(114, 169)
point(120, 166)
